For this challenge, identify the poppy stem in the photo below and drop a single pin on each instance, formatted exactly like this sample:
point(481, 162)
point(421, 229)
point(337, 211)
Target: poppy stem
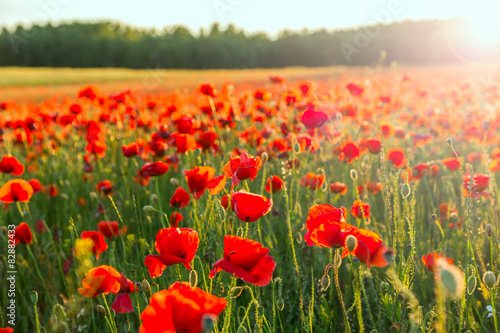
point(179, 276)
point(111, 321)
point(37, 269)
point(37, 322)
point(159, 202)
point(337, 286)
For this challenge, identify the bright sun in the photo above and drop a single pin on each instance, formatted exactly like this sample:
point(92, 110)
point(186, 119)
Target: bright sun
point(485, 20)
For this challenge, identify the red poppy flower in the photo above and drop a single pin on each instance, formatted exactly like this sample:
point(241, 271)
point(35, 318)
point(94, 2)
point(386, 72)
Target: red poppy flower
point(122, 302)
point(180, 308)
point(175, 246)
point(6, 330)
point(374, 187)
point(453, 164)
point(397, 157)
point(338, 188)
point(312, 181)
point(250, 207)
point(110, 229)
point(175, 219)
point(36, 185)
point(89, 91)
point(105, 187)
point(208, 89)
point(201, 178)
point(349, 151)
point(373, 145)
point(23, 234)
point(430, 260)
point(418, 171)
point(369, 249)
point(130, 150)
point(51, 190)
point(225, 202)
point(180, 198)
point(242, 167)
point(247, 260)
point(360, 208)
point(41, 227)
point(354, 89)
point(184, 142)
point(479, 184)
point(312, 119)
point(276, 182)
point(100, 280)
point(16, 190)
point(100, 244)
point(434, 170)
point(326, 226)
point(153, 169)
point(10, 164)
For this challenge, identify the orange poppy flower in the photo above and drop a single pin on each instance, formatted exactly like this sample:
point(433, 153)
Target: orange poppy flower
point(326, 226)
point(122, 302)
point(175, 246)
point(201, 178)
point(430, 260)
point(453, 164)
point(180, 198)
point(16, 190)
point(23, 234)
point(110, 229)
point(495, 165)
point(242, 167)
point(360, 208)
point(100, 280)
point(369, 249)
point(100, 244)
point(312, 181)
point(10, 164)
point(397, 157)
point(247, 260)
point(250, 207)
point(312, 119)
point(338, 188)
point(180, 308)
point(374, 187)
point(276, 182)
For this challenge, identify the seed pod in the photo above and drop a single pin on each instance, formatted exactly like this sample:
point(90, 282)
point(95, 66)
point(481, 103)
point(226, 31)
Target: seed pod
point(101, 310)
point(489, 279)
point(146, 288)
point(34, 297)
point(193, 278)
point(351, 242)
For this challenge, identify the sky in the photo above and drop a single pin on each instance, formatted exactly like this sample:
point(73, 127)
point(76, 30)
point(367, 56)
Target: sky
point(270, 16)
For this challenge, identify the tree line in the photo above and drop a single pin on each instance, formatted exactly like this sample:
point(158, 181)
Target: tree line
point(112, 44)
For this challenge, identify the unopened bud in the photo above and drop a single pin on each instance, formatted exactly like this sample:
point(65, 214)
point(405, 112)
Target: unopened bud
point(489, 230)
point(197, 151)
point(489, 279)
point(146, 288)
point(451, 278)
point(193, 278)
point(174, 182)
point(405, 191)
point(351, 242)
point(126, 326)
point(264, 156)
point(149, 209)
point(113, 314)
point(471, 285)
point(34, 297)
point(154, 198)
point(236, 292)
point(354, 174)
point(280, 303)
point(296, 147)
point(101, 310)
point(449, 141)
point(434, 217)
point(486, 125)
point(208, 321)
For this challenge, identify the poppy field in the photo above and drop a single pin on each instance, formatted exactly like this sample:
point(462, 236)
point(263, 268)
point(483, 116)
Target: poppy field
point(364, 202)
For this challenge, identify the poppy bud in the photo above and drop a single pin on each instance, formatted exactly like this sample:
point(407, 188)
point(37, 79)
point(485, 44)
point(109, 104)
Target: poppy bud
point(296, 147)
point(384, 285)
point(451, 278)
point(471, 285)
point(351, 242)
point(449, 141)
point(354, 174)
point(489, 230)
point(101, 310)
point(236, 292)
point(280, 303)
point(174, 182)
point(206, 257)
point(208, 321)
point(93, 195)
point(486, 125)
point(193, 278)
point(154, 198)
point(146, 289)
point(264, 156)
point(242, 330)
point(126, 326)
point(405, 191)
point(113, 313)
point(434, 217)
point(34, 297)
point(149, 209)
point(489, 279)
